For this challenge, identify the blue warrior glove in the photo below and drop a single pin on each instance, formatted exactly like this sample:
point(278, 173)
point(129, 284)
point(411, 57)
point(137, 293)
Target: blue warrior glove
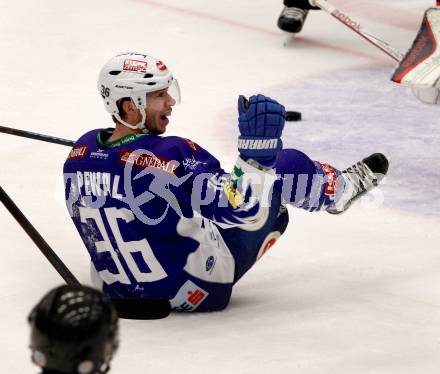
point(261, 122)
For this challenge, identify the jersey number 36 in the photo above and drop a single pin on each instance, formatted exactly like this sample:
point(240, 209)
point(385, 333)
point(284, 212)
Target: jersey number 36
point(126, 249)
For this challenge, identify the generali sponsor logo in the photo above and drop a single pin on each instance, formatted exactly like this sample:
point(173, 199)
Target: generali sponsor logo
point(135, 66)
point(144, 161)
point(78, 152)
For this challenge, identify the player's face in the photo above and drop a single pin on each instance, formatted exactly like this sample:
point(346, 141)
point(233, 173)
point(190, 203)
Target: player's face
point(159, 108)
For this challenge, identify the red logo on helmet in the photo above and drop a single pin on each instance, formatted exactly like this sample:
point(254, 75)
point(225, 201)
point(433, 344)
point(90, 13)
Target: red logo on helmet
point(135, 66)
point(161, 66)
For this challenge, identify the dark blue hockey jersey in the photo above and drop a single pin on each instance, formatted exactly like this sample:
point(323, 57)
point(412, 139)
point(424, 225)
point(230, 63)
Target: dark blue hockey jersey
point(148, 209)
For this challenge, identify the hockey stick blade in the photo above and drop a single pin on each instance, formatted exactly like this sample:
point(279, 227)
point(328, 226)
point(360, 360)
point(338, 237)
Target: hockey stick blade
point(36, 136)
point(357, 28)
point(142, 309)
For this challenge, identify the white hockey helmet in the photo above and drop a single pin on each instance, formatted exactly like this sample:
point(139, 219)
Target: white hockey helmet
point(133, 75)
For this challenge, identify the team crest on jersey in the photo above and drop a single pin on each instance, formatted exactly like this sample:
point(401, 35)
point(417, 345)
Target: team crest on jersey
point(78, 152)
point(144, 161)
point(191, 163)
point(135, 66)
point(331, 179)
point(189, 297)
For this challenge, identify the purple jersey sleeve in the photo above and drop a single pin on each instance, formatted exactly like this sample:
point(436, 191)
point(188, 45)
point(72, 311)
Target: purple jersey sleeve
point(195, 182)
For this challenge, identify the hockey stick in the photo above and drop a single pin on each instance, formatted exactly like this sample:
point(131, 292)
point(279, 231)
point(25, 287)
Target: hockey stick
point(420, 66)
point(33, 135)
point(45, 249)
point(127, 308)
point(358, 28)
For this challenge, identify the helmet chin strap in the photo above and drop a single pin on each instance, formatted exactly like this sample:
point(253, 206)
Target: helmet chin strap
point(140, 125)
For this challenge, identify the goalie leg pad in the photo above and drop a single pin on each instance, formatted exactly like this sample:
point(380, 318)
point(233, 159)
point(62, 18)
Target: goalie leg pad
point(421, 64)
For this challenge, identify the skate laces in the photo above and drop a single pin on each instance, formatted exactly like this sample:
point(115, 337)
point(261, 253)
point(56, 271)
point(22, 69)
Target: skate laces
point(294, 13)
point(361, 178)
point(358, 179)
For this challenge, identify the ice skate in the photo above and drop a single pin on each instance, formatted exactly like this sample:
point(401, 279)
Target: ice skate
point(292, 19)
point(359, 179)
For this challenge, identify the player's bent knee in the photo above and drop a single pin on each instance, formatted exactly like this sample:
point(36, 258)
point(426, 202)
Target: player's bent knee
point(293, 161)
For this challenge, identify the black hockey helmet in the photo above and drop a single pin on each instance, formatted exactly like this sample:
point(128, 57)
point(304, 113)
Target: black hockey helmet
point(74, 329)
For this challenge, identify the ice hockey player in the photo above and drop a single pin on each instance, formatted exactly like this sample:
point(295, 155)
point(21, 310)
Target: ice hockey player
point(74, 330)
point(158, 214)
point(293, 15)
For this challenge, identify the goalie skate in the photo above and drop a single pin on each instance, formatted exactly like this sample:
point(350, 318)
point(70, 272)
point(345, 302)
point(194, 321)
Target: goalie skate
point(359, 179)
point(292, 19)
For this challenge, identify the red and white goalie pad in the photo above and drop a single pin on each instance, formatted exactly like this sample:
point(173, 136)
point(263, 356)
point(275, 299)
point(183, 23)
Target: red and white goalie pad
point(420, 67)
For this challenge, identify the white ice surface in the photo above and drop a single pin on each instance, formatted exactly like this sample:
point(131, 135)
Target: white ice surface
point(352, 294)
